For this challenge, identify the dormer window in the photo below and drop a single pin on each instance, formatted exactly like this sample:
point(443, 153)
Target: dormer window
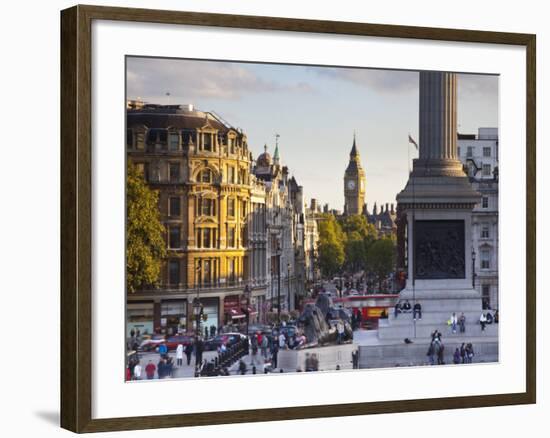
point(207, 142)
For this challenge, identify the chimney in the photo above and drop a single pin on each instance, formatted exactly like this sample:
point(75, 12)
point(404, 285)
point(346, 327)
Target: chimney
point(392, 208)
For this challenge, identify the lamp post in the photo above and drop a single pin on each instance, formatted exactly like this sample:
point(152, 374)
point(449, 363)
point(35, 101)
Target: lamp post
point(245, 304)
point(197, 311)
point(473, 268)
point(288, 279)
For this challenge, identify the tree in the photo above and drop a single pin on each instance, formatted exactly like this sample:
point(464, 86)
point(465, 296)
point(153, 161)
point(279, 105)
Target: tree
point(145, 246)
point(381, 258)
point(355, 251)
point(331, 246)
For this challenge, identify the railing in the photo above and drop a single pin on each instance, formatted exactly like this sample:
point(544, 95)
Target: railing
point(219, 366)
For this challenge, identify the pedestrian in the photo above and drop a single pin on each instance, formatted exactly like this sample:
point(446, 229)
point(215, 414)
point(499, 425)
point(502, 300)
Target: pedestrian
point(406, 307)
point(470, 352)
point(199, 347)
point(440, 356)
point(274, 354)
point(463, 353)
point(162, 368)
point(462, 322)
point(179, 355)
point(355, 359)
point(359, 319)
point(137, 372)
point(168, 367)
point(189, 352)
point(253, 350)
point(489, 317)
point(456, 356)
point(150, 369)
point(282, 341)
point(264, 344)
point(163, 350)
point(431, 353)
point(128, 374)
point(396, 310)
point(454, 322)
point(417, 311)
point(340, 331)
point(482, 321)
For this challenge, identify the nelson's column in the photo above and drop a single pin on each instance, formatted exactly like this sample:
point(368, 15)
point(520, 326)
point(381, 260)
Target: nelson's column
point(435, 216)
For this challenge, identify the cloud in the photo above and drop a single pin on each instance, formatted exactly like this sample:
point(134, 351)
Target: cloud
point(189, 80)
point(377, 80)
point(478, 86)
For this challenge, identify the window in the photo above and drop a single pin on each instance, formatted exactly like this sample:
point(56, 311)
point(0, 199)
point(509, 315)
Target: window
point(486, 169)
point(174, 271)
point(175, 206)
point(174, 172)
point(230, 237)
point(207, 272)
point(231, 207)
point(470, 152)
point(231, 175)
point(231, 144)
point(207, 142)
point(130, 138)
point(485, 259)
point(487, 151)
point(231, 270)
point(485, 202)
point(207, 238)
point(174, 141)
point(207, 207)
point(458, 151)
point(175, 237)
point(205, 176)
point(485, 231)
point(243, 209)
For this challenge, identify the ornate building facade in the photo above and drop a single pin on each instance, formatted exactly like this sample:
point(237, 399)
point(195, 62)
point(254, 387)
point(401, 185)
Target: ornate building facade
point(213, 210)
point(479, 154)
point(354, 183)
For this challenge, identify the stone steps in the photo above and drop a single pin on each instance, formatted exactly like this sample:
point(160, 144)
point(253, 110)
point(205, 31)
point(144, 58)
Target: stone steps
point(425, 329)
point(381, 356)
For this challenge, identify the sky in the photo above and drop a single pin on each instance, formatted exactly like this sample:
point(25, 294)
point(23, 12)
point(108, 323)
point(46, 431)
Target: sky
point(316, 111)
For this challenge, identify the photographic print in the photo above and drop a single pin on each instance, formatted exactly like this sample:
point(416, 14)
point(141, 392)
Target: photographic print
point(298, 218)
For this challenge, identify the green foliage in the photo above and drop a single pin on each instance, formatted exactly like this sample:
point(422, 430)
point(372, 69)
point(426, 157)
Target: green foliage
point(331, 245)
point(381, 257)
point(145, 246)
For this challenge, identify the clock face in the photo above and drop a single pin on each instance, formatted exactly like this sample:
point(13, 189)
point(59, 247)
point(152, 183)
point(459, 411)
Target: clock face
point(351, 184)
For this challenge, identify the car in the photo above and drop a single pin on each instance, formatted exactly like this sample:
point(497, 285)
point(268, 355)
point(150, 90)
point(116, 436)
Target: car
point(151, 342)
point(185, 339)
point(229, 339)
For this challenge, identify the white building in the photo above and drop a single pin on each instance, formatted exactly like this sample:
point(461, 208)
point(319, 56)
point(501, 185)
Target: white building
point(479, 153)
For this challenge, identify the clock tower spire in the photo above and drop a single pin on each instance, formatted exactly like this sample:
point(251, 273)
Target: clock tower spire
point(354, 182)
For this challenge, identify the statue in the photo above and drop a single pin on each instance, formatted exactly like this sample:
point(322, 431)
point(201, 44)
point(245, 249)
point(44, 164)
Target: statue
point(315, 322)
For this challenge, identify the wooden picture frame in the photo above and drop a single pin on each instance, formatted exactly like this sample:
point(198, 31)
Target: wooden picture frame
point(76, 217)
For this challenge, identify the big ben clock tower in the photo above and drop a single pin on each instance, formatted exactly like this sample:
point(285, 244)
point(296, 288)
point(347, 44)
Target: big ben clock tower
point(354, 183)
